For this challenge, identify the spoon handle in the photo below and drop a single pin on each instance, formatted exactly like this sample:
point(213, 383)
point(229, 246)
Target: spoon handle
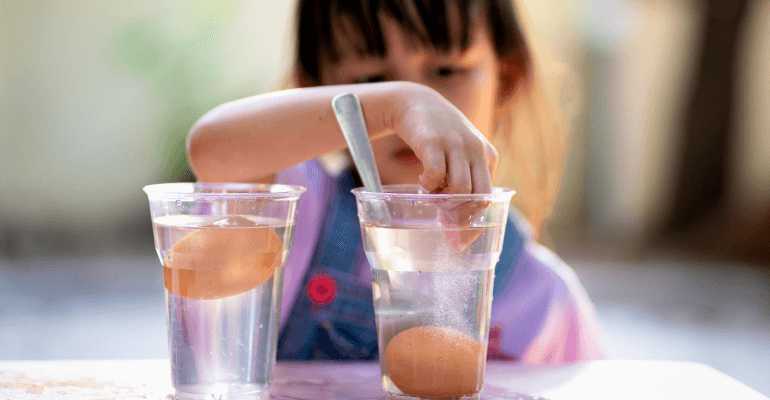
point(350, 117)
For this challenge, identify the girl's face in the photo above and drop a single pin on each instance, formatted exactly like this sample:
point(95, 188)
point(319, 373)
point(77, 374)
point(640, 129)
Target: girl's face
point(469, 79)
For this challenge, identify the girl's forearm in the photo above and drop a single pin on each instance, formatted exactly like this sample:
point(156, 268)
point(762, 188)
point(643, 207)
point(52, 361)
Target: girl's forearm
point(251, 138)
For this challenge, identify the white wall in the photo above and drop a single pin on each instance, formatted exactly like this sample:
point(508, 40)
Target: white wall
point(80, 130)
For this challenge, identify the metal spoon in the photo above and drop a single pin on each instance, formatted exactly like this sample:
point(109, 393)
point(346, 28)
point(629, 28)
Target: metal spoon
point(347, 109)
point(350, 117)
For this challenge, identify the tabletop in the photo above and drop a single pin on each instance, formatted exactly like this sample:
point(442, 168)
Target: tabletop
point(609, 379)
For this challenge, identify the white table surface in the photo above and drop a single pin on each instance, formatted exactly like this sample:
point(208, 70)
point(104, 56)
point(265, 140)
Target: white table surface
point(611, 379)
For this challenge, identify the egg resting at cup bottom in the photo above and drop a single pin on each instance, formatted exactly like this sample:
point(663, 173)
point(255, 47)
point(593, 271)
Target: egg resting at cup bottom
point(435, 362)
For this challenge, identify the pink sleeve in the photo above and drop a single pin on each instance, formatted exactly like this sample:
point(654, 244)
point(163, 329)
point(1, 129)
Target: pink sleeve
point(572, 331)
point(543, 313)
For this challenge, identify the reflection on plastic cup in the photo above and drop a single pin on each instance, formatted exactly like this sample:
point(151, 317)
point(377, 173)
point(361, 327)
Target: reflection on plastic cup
point(433, 259)
point(222, 248)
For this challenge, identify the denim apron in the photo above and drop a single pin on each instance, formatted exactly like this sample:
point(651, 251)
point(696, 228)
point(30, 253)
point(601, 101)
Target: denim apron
point(333, 317)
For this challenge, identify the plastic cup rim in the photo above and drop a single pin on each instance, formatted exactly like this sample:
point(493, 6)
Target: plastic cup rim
point(498, 193)
point(186, 190)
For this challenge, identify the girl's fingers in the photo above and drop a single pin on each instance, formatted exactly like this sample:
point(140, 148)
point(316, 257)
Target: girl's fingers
point(456, 156)
point(434, 175)
point(482, 180)
point(493, 160)
point(459, 178)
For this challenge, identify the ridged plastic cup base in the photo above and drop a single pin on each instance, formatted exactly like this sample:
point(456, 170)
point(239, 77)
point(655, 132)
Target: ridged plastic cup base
point(261, 394)
point(400, 396)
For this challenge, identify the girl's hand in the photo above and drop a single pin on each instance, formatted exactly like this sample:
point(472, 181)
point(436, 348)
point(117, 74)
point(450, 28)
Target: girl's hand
point(457, 158)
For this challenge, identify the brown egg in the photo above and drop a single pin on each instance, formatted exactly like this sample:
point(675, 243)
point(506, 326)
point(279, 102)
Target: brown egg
point(435, 362)
point(462, 217)
point(215, 262)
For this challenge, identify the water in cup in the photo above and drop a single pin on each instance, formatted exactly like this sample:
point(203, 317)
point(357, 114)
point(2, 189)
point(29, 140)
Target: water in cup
point(222, 277)
point(223, 282)
point(222, 250)
point(433, 261)
point(433, 301)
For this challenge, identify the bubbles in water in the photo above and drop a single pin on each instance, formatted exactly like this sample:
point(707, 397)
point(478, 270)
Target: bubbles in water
point(451, 291)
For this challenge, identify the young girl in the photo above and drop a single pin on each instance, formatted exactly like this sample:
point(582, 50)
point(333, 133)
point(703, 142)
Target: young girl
point(437, 80)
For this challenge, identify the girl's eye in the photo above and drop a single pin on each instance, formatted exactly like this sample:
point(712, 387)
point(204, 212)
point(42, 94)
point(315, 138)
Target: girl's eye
point(371, 79)
point(445, 72)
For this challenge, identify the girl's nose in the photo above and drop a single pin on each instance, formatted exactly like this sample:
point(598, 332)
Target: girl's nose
point(413, 72)
point(407, 64)
point(405, 70)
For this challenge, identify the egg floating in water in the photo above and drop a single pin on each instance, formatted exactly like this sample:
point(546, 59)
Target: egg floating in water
point(432, 361)
point(222, 259)
point(459, 219)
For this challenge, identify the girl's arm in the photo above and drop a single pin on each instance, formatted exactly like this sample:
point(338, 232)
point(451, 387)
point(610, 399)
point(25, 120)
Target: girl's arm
point(253, 138)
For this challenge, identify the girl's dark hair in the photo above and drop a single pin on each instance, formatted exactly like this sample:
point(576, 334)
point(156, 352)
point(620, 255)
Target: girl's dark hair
point(426, 21)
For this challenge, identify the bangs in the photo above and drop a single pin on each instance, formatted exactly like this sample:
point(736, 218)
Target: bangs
point(425, 23)
point(330, 28)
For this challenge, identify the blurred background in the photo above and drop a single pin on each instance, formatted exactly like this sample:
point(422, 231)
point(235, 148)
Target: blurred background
point(664, 211)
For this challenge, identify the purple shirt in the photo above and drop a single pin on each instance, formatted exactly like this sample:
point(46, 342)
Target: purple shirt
point(542, 315)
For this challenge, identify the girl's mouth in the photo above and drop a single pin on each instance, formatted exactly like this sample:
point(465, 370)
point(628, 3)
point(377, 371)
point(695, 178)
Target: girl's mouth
point(406, 156)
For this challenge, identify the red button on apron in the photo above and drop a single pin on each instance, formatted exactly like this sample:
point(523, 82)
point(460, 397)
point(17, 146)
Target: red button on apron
point(321, 289)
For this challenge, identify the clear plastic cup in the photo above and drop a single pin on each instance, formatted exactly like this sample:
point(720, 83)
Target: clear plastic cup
point(433, 258)
point(222, 247)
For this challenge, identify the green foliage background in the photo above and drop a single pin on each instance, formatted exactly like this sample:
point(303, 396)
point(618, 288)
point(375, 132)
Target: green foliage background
point(182, 70)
